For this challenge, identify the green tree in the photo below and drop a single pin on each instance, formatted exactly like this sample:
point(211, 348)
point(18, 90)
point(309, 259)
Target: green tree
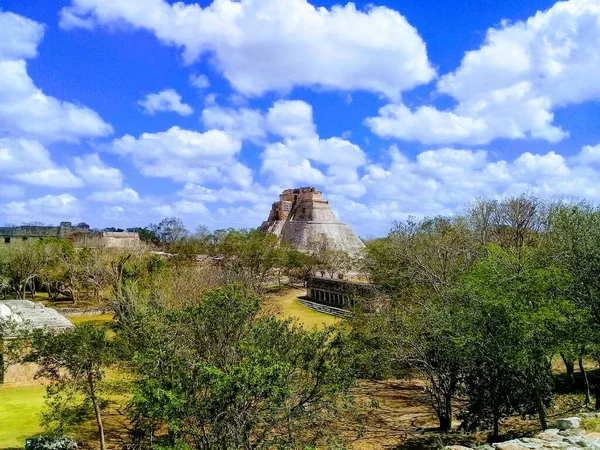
point(519, 316)
point(75, 362)
point(221, 375)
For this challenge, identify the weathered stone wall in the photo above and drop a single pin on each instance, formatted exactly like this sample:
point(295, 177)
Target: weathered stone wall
point(20, 374)
point(9, 235)
point(105, 239)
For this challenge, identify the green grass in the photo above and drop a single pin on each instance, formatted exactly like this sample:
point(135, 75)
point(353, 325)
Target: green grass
point(97, 319)
point(287, 305)
point(19, 414)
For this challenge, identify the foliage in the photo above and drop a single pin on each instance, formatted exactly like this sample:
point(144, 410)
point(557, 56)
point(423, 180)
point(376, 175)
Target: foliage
point(169, 230)
point(520, 317)
point(219, 375)
point(74, 361)
point(50, 443)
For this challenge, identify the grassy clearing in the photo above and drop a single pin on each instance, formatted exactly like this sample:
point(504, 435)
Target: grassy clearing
point(286, 304)
point(98, 319)
point(19, 414)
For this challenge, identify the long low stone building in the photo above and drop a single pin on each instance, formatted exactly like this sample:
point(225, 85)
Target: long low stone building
point(25, 314)
point(336, 292)
point(80, 235)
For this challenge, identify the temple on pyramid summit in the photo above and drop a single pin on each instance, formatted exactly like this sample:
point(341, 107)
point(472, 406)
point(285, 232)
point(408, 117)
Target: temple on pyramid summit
point(302, 218)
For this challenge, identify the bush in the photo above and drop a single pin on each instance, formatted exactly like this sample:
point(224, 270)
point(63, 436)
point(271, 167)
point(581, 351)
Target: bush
point(50, 443)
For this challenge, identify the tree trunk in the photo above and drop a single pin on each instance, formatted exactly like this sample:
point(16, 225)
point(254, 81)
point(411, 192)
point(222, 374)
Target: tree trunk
point(586, 383)
point(496, 428)
point(96, 411)
point(541, 411)
point(445, 413)
point(570, 366)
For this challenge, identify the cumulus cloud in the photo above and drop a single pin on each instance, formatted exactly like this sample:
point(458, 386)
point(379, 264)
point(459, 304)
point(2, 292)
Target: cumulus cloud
point(19, 36)
point(186, 156)
point(24, 109)
point(126, 195)
point(441, 181)
point(166, 100)
point(93, 171)
point(511, 86)
point(53, 208)
point(241, 124)
point(199, 81)
point(56, 178)
point(29, 162)
point(303, 157)
point(274, 45)
point(291, 119)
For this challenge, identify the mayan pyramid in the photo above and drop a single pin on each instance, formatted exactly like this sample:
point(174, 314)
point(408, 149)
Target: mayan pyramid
point(302, 218)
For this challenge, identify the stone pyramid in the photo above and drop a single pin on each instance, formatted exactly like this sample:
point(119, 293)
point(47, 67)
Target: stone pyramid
point(302, 218)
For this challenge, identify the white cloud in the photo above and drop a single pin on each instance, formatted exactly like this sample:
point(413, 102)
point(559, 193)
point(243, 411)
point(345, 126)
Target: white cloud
point(126, 195)
point(511, 86)
point(199, 81)
point(166, 100)
point(590, 154)
point(186, 156)
point(255, 194)
point(29, 162)
point(19, 36)
point(52, 208)
point(293, 119)
point(275, 45)
point(240, 124)
point(24, 109)
point(56, 178)
point(11, 191)
point(19, 155)
point(442, 181)
point(182, 208)
point(92, 170)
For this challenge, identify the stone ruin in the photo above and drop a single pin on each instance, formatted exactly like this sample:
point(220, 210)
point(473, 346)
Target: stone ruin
point(302, 218)
point(567, 435)
point(80, 235)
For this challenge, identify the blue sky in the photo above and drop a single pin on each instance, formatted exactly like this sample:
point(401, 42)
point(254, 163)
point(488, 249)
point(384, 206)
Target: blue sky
point(121, 113)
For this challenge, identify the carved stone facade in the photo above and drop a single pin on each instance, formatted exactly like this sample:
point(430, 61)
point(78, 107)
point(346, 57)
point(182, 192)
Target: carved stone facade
point(336, 292)
point(303, 218)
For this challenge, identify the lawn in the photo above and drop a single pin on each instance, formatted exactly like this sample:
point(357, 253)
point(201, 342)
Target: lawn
point(286, 304)
point(19, 414)
point(98, 319)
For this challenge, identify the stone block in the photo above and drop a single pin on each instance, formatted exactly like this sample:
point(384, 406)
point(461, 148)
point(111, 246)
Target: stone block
point(568, 423)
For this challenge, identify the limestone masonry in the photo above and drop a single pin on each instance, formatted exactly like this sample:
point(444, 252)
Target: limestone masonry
point(302, 218)
point(81, 235)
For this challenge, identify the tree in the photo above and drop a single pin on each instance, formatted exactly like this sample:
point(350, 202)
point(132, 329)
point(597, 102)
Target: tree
point(74, 361)
point(146, 234)
point(169, 230)
point(519, 317)
point(221, 375)
point(574, 243)
point(21, 263)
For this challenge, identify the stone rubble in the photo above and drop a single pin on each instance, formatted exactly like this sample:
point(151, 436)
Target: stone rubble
point(567, 435)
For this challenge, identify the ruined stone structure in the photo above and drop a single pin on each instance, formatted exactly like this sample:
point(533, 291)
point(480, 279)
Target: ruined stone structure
point(79, 234)
point(338, 293)
point(27, 315)
point(9, 235)
point(106, 239)
point(302, 218)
